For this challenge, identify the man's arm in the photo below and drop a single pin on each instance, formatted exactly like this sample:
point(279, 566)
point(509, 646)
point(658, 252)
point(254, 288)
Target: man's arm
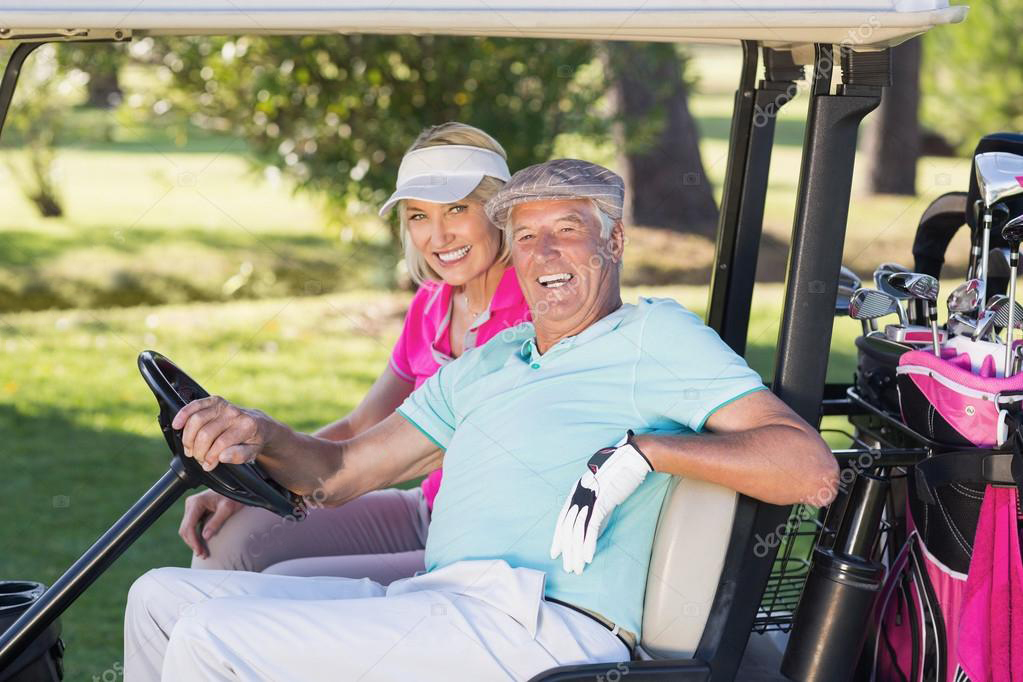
point(757, 446)
point(393, 451)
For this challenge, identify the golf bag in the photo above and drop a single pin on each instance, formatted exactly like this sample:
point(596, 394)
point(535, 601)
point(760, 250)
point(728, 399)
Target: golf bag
point(43, 661)
point(951, 609)
point(944, 400)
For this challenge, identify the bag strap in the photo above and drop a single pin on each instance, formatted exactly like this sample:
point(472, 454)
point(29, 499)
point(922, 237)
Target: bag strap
point(970, 466)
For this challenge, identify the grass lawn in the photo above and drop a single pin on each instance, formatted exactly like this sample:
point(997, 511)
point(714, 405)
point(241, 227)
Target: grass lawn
point(81, 441)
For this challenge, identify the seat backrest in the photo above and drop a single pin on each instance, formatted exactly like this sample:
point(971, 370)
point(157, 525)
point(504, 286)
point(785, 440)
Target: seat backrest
point(692, 538)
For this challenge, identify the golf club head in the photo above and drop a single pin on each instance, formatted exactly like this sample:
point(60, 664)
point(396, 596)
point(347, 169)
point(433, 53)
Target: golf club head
point(998, 262)
point(848, 282)
point(870, 304)
point(999, 175)
point(960, 325)
point(965, 298)
point(841, 304)
point(912, 285)
point(885, 268)
point(1012, 231)
point(1000, 309)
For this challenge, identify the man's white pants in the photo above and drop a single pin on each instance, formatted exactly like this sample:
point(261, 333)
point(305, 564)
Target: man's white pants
point(473, 620)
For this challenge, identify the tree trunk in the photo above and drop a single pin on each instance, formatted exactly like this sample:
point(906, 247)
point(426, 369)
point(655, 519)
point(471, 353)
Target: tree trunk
point(892, 142)
point(658, 141)
point(104, 90)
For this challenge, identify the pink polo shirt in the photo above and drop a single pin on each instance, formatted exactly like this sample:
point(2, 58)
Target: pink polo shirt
point(425, 344)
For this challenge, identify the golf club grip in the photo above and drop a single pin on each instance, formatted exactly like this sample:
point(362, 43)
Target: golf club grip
point(66, 589)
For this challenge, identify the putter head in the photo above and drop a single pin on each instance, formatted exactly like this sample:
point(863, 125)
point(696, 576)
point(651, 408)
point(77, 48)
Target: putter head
point(870, 304)
point(965, 298)
point(1012, 231)
point(913, 285)
point(999, 175)
point(885, 268)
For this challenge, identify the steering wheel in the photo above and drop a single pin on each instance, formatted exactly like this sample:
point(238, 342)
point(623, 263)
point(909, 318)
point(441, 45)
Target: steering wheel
point(246, 483)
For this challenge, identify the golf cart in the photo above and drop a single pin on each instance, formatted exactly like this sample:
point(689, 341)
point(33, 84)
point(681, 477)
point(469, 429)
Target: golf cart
point(700, 607)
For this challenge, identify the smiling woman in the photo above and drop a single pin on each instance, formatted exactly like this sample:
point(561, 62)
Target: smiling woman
point(467, 294)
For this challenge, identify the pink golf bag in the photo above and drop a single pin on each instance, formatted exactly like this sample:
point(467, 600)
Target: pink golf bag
point(946, 401)
point(951, 609)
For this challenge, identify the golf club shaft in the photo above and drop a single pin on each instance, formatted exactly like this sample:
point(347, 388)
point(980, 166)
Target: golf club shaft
point(984, 257)
point(932, 315)
point(1012, 309)
point(90, 566)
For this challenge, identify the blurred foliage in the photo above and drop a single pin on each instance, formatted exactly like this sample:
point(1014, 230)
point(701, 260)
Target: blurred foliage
point(102, 63)
point(44, 94)
point(337, 113)
point(973, 74)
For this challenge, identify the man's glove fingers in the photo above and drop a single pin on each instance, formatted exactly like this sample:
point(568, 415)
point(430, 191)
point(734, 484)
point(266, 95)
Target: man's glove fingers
point(592, 533)
point(565, 537)
point(556, 544)
point(578, 538)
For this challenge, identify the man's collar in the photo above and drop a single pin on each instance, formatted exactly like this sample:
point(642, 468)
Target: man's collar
point(608, 323)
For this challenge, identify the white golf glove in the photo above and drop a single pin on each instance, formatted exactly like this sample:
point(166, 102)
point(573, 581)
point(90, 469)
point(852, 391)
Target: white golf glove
point(612, 475)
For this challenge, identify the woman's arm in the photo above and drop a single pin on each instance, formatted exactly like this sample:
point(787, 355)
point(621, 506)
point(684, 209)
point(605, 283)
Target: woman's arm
point(383, 398)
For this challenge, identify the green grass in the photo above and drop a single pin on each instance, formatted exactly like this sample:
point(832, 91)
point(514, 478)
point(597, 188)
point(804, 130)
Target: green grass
point(81, 441)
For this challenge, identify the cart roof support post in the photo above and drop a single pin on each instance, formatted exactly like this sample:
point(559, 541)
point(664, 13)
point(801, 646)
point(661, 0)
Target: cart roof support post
point(742, 199)
point(12, 70)
point(825, 182)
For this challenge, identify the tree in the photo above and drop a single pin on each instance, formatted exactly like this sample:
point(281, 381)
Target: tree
point(45, 93)
point(974, 74)
point(102, 62)
point(658, 140)
point(893, 139)
point(338, 112)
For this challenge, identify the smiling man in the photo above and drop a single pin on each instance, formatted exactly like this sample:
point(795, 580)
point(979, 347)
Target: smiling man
point(558, 439)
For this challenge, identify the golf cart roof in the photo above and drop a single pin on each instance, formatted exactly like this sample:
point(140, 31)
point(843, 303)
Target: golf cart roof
point(861, 24)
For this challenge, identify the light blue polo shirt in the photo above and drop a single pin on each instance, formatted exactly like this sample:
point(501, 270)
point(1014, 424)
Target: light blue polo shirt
point(518, 428)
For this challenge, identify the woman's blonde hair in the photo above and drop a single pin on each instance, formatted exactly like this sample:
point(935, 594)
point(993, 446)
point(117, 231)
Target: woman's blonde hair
point(435, 136)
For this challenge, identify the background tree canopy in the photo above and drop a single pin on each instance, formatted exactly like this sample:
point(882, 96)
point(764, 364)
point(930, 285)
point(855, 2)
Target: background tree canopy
point(338, 112)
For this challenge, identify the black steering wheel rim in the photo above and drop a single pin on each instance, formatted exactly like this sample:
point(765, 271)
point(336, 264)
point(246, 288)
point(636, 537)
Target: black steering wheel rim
point(245, 483)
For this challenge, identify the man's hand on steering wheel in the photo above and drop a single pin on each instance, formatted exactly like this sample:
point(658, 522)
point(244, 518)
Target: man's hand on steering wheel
point(216, 431)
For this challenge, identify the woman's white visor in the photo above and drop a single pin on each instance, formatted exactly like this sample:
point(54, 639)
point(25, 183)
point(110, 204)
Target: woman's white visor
point(445, 173)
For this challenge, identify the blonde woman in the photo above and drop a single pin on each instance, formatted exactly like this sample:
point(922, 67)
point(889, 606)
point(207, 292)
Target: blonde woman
point(467, 294)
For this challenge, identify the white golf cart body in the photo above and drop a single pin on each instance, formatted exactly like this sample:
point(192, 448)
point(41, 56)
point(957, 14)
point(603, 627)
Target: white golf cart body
point(713, 548)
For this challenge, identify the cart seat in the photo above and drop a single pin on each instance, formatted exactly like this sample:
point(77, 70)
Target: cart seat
point(695, 530)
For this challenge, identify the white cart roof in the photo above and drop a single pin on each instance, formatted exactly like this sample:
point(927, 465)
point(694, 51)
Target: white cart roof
point(859, 23)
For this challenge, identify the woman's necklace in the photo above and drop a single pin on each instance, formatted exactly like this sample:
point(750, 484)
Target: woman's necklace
point(468, 308)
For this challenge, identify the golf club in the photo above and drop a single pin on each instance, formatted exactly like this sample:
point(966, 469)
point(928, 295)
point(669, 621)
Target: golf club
point(960, 325)
point(882, 271)
point(848, 282)
point(997, 316)
point(868, 305)
point(999, 175)
point(923, 287)
point(1012, 232)
point(965, 298)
